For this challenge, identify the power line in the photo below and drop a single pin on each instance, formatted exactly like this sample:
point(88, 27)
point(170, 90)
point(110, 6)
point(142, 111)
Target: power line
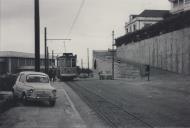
point(76, 17)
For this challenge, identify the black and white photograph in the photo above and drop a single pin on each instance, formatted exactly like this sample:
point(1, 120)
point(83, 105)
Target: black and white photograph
point(94, 63)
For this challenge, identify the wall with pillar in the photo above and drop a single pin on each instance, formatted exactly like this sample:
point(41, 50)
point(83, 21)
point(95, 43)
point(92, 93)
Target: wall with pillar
point(169, 51)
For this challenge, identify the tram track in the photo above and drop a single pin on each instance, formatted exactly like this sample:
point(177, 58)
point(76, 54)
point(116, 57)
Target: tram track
point(113, 114)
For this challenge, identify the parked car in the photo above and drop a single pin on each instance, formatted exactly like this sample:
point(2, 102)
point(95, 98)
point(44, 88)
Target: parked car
point(83, 75)
point(34, 86)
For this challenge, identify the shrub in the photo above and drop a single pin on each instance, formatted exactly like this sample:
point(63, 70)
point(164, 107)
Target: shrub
point(7, 82)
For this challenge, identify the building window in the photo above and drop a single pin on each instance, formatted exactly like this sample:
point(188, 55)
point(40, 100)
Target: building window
point(134, 27)
point(18, 63)
point(32, 62)
point(147, 24)
point(73, 63)
point(127, 30)
point(22, 62)
point(28, 62)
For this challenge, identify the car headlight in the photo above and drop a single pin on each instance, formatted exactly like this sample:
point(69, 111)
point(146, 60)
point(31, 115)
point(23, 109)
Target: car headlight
point(54, 92)
point(30, 91)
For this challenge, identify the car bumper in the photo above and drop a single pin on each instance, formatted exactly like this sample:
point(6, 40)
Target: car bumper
point(41, 98)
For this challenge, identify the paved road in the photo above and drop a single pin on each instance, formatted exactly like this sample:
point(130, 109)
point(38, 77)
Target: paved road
point(62, 115)
point(118, 103)
point(123, 103)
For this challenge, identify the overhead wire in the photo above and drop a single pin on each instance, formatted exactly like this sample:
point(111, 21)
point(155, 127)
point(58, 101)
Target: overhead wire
point(76, 17)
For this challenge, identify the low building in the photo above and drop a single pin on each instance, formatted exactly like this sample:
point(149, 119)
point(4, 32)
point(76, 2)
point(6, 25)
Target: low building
point(13, 62)
point(144, 19)
point(179, 6)
point(102, 62)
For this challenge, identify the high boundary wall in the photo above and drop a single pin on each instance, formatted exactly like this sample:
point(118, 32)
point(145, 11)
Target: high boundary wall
point(169, 51)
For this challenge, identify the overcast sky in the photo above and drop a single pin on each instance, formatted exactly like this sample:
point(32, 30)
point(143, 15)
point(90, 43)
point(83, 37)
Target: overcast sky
point(93, 27)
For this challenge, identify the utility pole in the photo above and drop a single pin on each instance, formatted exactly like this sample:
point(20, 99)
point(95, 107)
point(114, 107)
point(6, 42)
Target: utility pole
point(113, 52)
point(64, 47)
point(52, 58)
point(47, 58)
point(88, 61)
point(37, 35)
point(45, 50)
point(82, 63)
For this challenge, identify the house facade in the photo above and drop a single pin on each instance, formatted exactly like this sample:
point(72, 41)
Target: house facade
point(179, 6)
point(144, 19)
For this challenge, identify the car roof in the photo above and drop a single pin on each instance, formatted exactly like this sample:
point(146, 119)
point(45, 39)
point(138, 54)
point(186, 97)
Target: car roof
point(32, 72)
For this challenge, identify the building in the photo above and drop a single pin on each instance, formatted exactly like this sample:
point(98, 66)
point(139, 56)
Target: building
point(164, 45)
point(144, 19)
point(179, 6)
point(102, 62)
point(13, 62)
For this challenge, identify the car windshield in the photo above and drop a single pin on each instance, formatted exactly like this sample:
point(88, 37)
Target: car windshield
point(37, 79)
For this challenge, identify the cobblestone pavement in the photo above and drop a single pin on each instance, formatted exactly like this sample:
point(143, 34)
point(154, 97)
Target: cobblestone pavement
point(128, 103)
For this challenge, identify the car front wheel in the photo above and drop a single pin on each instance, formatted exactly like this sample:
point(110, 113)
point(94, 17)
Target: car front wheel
point(24, 99)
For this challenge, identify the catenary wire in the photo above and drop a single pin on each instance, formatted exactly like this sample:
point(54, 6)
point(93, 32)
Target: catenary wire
point(76, 17)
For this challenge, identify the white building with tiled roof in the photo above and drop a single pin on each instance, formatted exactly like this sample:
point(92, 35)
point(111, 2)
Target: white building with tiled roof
point(144, 19)
point(179, 6)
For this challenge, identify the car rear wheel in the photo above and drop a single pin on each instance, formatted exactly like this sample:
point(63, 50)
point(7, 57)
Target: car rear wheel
point(52, 103)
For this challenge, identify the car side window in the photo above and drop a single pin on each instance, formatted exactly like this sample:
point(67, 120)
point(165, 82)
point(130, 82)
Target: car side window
point(22, 78)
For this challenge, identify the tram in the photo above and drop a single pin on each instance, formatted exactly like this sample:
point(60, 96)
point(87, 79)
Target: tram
point(66, 66)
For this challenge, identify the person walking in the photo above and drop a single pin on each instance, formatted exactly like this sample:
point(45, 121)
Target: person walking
point(50, 73)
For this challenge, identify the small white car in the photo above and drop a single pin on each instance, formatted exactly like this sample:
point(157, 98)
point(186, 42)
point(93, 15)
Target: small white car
point(34, 86)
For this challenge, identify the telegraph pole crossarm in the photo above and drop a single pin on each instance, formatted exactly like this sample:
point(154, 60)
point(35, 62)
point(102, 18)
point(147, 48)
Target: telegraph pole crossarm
point(46, 47)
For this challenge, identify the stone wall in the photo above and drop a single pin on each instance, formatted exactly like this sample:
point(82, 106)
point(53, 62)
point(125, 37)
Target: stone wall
point(169, 51)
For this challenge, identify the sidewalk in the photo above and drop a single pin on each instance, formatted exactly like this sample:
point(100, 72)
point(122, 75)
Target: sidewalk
point(161, 79)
